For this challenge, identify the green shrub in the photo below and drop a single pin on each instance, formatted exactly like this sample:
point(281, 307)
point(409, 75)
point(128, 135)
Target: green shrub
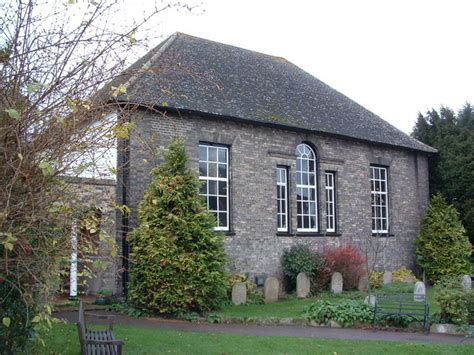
point(128, 309)
point(178, 259)
point(397, 320)
point(15, 331)
point(454, 305)
point(442, 246)
point(299, 258)
point(345, 312)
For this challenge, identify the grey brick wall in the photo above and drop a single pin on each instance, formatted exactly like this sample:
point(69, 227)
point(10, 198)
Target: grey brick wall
point(255, 152)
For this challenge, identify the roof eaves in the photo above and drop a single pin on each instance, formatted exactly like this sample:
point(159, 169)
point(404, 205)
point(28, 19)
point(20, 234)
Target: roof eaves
point(179, 111)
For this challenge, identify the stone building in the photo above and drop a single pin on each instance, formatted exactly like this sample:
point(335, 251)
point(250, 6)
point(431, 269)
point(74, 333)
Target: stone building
point(283, 157)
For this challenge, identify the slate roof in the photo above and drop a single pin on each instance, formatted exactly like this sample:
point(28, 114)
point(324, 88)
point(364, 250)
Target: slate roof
point(195, 74)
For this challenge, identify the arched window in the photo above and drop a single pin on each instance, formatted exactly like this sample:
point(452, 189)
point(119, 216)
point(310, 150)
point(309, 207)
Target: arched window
point(306, 196)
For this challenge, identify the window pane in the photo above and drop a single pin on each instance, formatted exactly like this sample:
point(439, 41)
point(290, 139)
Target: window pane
point(212, 154)
point(212, 187)
point(202, 169)
point(300, 222)
point(212, 169)
point(202, 153)
point(306, 222)
point(222, 203)
point(304, 165)
point(222, 156)
point(203, 188)
point(223, 188)
point(222, 171)
point(298, 178)
point(213, 203)
point(222, 219)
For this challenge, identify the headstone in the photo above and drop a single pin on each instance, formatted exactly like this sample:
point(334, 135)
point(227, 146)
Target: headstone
point(363, 283)
point(336, 283)
point(239, 293)
point(387, 277)
point(271, 289)
point(419, 293)
point(302, 285)
point(466, 282)
point(370, 299)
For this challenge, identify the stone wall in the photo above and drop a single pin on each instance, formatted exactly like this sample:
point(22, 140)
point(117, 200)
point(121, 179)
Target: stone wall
point(255, 151)
point(100, 194)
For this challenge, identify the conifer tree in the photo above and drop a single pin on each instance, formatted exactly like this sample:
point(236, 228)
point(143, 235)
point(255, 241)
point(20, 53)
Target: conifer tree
point(442, 246)
point(452, 169)
point(178, 260)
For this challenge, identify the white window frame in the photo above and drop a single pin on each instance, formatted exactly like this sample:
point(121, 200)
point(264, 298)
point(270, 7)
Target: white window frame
point(330, 186)
point(217, 179)
point(282, 200)
point(379, 199)
point(305, 153)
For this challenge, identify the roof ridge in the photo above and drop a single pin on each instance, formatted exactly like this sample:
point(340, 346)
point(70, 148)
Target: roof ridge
point(162, 47)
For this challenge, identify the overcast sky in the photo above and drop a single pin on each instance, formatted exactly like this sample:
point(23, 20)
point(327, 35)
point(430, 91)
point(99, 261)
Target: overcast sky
point(396, 58)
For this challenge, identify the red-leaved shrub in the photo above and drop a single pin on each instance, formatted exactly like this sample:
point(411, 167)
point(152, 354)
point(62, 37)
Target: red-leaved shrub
point(347, 260)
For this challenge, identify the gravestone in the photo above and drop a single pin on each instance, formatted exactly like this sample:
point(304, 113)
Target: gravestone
point(336, 282)
point(466, 282)
point(302, 285)
point(387, 277)
point(271, 289)
point(370, 299)
point(363, 283)
point(419, 292)
point(239, 293)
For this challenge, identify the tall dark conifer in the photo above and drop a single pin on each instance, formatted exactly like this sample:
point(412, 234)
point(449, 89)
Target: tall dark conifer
point(452, 169)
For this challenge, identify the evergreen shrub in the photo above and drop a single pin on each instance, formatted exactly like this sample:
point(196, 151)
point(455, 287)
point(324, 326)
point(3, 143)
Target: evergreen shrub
point(442, 246)
point(299, 258)
point(178, 260)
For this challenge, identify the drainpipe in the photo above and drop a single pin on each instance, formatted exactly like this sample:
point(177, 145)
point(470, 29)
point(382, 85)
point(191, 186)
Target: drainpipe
point(73, 272)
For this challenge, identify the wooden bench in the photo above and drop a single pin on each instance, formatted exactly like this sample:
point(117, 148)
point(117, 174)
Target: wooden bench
point(95, 342)
point(401, 304)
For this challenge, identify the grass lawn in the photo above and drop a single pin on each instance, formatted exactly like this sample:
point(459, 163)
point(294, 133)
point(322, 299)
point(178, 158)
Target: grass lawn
point(293, 307)
point(64, 340)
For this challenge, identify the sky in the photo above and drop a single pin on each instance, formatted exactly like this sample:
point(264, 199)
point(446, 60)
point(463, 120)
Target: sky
point(396, 58)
